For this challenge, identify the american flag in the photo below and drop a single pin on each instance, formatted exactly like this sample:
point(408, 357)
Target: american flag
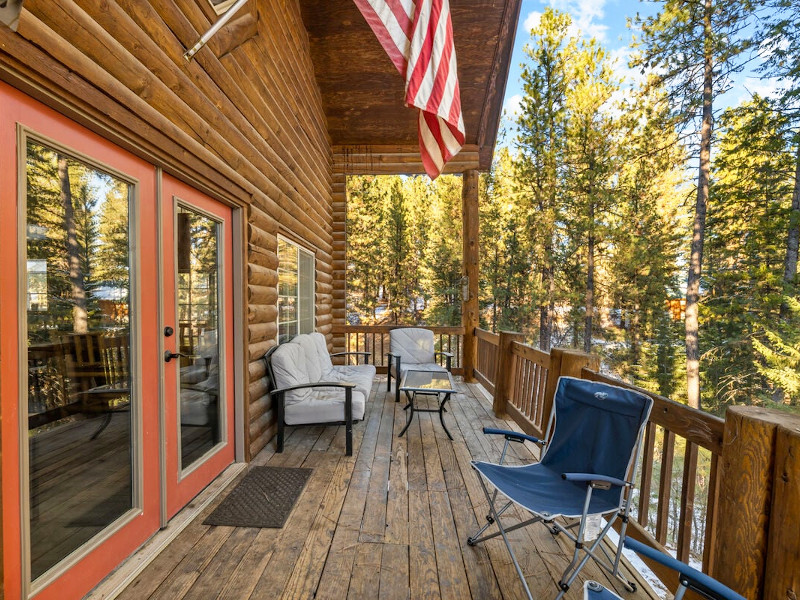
point(418, 37)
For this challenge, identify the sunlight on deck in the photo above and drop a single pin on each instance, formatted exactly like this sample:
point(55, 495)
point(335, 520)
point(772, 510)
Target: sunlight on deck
point(389, 522)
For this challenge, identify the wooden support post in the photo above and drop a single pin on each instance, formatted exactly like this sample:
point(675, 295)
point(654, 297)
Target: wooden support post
point(747, 495)
point(505, 371)
point(782, 576)
point(470, 317)
point(569, 363)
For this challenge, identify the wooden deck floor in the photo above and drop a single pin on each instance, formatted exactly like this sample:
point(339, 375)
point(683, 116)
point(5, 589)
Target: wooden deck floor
point(389, 522)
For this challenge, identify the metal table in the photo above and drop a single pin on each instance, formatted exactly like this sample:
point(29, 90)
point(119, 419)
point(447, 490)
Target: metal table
point(427, 383)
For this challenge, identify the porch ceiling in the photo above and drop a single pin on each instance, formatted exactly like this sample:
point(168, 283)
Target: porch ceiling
point(362, 93)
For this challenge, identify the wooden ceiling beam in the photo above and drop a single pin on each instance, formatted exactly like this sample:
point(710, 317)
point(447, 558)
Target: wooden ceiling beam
point(495, 90)
point(396, 159)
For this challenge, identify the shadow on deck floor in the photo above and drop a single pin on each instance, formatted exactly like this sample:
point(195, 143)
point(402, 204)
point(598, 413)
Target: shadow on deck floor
point(388, 522)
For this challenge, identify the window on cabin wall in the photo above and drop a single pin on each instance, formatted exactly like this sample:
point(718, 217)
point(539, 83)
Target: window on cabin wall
point(221, 6)
point(295, 290)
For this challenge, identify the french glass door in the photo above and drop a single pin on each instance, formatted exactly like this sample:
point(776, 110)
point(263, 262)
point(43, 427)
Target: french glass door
point(198, 340)
point(79, 444)
point(116, 350)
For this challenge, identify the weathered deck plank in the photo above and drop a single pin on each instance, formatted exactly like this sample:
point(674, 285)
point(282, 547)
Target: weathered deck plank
point(389, 522)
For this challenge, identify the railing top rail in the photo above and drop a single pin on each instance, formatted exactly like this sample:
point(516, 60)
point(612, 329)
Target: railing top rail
point(530, 353)
point(388, 328)
point(492, 338)
point(697, 426)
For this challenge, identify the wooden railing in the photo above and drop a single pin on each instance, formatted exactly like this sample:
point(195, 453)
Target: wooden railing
point(486, 361)
point(676, 498)
point(723, 494)
point(375, 340)
point(528, 389)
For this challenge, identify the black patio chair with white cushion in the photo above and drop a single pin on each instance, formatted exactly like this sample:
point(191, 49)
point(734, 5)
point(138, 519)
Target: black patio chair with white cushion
point(412, 348)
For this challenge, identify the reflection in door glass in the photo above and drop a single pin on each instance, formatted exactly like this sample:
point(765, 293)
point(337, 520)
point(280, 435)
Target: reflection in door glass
point(198, 322)
point(78, 345)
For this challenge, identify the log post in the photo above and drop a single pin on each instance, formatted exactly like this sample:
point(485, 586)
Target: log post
point(748, 494)
point(782, 576)
point(470, 317)
point(569, 363)
point(505, 371)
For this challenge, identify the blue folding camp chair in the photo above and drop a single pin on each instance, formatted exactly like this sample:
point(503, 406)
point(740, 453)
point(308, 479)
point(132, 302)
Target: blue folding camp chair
point(689, 578)
point(587, 468)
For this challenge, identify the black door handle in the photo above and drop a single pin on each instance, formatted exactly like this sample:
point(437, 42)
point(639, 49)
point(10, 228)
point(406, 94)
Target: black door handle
point(168, 356)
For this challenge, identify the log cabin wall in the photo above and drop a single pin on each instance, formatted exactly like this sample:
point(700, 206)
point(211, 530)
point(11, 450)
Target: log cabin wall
point(242, 122)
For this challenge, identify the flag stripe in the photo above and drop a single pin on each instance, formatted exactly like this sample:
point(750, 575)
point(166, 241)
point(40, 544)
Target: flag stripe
point(418, 37)
point(386, 28)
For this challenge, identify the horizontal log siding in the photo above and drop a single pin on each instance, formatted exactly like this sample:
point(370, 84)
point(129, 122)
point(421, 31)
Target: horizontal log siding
point(339, 305)
point(247, 127)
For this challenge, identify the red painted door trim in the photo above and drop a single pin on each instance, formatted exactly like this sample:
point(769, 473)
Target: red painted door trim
point(101, 560)
point(181, 489)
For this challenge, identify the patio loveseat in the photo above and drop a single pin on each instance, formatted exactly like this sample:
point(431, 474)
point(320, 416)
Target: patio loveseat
point(308, 389)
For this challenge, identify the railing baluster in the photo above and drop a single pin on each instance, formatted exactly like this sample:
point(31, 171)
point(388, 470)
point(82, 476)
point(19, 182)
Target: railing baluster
point(665, 486)
point(687, 501)
point(528, 389)
point(647, 473)
point(515, 360)
point(537, 375)
point(710, 538)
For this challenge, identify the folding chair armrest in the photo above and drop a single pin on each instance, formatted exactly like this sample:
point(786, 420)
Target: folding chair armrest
point(512, 436)
point(443, 353)
point(594, 480)
point(694, 578)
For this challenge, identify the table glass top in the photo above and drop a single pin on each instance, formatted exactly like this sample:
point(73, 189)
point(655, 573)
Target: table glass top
point(427, 380)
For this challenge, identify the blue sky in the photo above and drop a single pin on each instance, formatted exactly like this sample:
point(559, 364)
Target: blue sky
point(606, 21)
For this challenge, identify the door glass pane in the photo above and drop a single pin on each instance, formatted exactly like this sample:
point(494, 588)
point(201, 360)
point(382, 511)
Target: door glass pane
point(198, 322)
point(78, 311)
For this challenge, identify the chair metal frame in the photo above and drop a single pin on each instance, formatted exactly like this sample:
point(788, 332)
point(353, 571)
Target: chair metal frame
point(688, 577)
point(594, 550)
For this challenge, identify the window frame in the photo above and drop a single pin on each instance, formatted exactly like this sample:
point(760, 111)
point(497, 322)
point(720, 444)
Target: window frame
point(222, 7)
point(299, 249)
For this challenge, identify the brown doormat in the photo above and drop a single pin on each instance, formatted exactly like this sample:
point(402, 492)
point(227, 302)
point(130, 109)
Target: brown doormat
point(264, 498)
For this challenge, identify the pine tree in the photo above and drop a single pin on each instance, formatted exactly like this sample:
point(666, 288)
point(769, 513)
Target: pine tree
point(780, 349)
point(540, 143)
point(644, 234)
point(590, 157)
point(751, 189)
point(694, 46)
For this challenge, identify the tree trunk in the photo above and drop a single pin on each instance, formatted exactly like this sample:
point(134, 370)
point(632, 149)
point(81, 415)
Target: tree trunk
point(79, 314)
point(634, 335)
point(545, 312)
point(495, 284)
point(790, 264)
point(587, 335)
point(698, 228)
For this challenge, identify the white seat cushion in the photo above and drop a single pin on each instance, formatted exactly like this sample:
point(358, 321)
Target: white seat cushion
point(361, 375)
point(326, 364)
point(323, 405)
point(195, 405)
point(414, 367)
point(412, 344)
point(289, 364)
point(314, 361)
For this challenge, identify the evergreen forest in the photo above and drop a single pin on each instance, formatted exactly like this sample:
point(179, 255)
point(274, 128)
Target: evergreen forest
point(646, 221)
